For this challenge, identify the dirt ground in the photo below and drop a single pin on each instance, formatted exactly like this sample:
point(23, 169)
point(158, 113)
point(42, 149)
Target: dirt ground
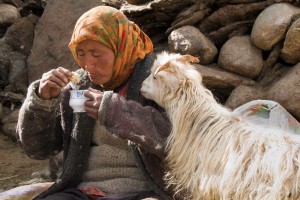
point(16, 168)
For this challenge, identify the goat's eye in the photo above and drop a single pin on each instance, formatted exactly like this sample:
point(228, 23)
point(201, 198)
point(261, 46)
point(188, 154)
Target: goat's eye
point(154, 77)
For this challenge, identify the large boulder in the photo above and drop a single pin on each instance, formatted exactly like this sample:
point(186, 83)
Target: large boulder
point(18, 81)
point(9, 124)
point(155, 17)
point(52, 35)
point(5, 62)
point(217, 78)
point(271, 25)
point(18, 38)
point(189, 40)
point(4, 68)
point(20, 35)
point(240, 56)
point(8, 14)
point(243, 94)
point(291, 47)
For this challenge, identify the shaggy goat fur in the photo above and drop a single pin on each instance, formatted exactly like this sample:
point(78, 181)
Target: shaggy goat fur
point(213, 153)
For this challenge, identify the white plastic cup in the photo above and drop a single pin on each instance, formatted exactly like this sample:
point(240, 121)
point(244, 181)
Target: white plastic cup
point(77, 100)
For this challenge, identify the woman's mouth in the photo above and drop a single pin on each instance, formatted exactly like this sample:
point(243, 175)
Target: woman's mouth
point(92, 76)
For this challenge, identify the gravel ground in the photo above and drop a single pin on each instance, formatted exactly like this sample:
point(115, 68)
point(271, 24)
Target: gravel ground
point(16, 168)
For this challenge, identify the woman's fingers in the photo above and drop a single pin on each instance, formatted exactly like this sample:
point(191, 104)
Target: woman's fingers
point(93, 103)
point(59, 76)
point(64, 73)
point(89, 95)
point(52, 82)
point(94, 94)
point(49, 84)
point(94, 90)
point(91, 111)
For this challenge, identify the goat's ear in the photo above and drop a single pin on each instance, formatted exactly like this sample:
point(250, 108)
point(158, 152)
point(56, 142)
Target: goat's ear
point(163, 67)
point(188, 58)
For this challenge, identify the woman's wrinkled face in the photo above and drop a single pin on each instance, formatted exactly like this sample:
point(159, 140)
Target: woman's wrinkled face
point(97, 60)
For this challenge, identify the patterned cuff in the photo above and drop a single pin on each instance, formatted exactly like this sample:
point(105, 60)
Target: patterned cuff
point(104, 106)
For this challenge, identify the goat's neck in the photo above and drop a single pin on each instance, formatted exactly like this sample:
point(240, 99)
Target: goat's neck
point(195, 105)
point(193, 113)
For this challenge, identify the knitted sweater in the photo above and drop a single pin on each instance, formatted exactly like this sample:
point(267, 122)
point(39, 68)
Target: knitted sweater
point(112, 166)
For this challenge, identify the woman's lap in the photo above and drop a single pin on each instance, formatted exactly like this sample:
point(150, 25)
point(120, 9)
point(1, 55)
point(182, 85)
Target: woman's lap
point(68, 194)
point(75, 194)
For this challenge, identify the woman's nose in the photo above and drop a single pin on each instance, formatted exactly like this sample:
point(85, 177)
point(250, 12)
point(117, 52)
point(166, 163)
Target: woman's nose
point(89, 67)
point(89, 63)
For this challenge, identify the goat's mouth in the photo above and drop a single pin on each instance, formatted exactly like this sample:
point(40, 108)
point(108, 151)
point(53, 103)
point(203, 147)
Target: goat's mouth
point(144, 94)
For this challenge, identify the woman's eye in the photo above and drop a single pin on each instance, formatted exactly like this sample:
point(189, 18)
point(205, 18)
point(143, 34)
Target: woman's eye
point(96, 54)
point(80, 54)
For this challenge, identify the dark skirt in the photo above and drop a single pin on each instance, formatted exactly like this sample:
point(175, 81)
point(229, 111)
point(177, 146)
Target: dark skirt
point(75, 194)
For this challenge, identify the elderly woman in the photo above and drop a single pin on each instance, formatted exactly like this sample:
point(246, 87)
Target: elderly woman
point(115, 57)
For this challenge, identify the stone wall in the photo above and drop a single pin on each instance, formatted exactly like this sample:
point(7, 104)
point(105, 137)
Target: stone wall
point(249, 49)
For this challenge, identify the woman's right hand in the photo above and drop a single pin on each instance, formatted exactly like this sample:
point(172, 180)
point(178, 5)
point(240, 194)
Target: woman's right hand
point(52, 82)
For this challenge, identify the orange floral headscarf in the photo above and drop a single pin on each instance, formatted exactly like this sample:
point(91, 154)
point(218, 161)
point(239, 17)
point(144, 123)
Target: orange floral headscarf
point(111, 27)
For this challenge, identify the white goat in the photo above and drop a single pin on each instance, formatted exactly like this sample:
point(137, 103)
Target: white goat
point(211, 152)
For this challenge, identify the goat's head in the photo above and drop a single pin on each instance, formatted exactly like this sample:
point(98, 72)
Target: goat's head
point(169, 73)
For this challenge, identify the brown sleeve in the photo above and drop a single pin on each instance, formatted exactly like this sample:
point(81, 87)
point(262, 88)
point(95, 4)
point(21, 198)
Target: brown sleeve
point(38, 129)
point(143, 125)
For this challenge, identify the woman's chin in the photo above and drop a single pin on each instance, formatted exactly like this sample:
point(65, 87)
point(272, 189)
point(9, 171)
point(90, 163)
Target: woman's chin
point(95, 80)
point(98, 82)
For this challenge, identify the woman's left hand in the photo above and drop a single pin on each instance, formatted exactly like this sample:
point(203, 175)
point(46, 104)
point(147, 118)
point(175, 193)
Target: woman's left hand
point(93, 103)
